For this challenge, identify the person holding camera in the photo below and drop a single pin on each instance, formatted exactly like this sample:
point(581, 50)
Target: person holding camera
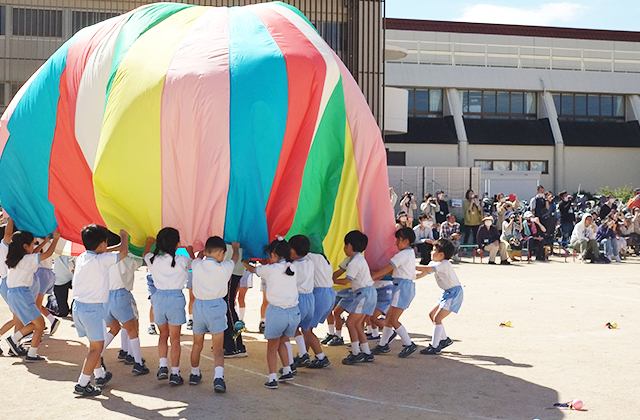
point(489, 240)
point(503, 206)
point(408, 205)
point(511, 234)
point(472, 218)
point(534, 231)
point(430, 206)
point(441, 215)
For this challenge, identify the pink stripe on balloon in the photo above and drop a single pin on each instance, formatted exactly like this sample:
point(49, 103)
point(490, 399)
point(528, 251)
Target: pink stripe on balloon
point(374, 209)
point(195, 131)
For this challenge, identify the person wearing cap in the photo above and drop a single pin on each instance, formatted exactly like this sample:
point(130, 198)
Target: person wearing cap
point(511, 235)
point(489, 240)
point(607, 207)
point(583, 239)
point(533, 235)
point(567, 216)
point(441, 215)
point(402, 220)
point(634, 202)
point(503, 205)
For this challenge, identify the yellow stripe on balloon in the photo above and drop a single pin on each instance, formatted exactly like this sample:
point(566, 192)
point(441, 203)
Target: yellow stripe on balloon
point(345, 214)
point(127, 174)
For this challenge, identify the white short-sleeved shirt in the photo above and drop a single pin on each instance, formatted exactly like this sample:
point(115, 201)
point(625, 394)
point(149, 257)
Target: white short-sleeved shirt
point(304, 275)
point(91, 276)
point(404, 264)
point(62, 266)
point(122, 274)
point(238, 269)
point(22, 274)
point(211, 278)
point(322, 270)
point(445, 275)
point(166, 277)
point(358, 272)
point(4, 250)
point(282, 289)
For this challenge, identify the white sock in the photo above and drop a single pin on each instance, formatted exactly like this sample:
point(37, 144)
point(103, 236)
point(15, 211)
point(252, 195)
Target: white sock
point(163, 362)
point(17, 336)
point(320, 356)
point(50, 318)
point(435, 341)
point(290, 351)
point(376, 332)
point(195, 370)
point(241, 314)
point(369, 329)
point(107, 340)
point(175, 370)
point(124, 340)
point(136, 351)
point(33, 352)
point(339, 333)
point(83, 380)
point(302, 348)
point(99, 373)
point(286, 370)
point(190, 317)
point(236, 307)
point(365, 348)
point(402, 332)
point(273, 377)
point(219, 372)
point(332, 329)
point(386, 334)
point(355, 348)
point(261, 319)
point(443, 333)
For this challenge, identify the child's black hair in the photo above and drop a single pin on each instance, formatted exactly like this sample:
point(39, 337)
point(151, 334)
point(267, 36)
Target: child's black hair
point(300, 244)
point(16, 247)
point(214, 243)
point(445, 246)
point(281, 248)
point(167, 242)
point(93, 235)
point(406, 233)
point(3, 228)
point(357, 239)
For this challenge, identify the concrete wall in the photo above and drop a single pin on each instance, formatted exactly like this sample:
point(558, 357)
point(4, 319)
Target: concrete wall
point(427, 154)
point(596, 167)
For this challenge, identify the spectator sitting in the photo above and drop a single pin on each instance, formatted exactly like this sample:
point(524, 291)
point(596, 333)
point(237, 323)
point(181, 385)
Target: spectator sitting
point(606, 236)
point(450, 229)
point(607, 207)
point(503, 206)
point(634, 202)
point(533, 231)
point(511, 235)
point(625, 229)
point(402, 220)
point(441, 215)
point(489, 240)
point(472, 219)
point(408, 205)
point(430, 206)
point(634, 226)
point(424, 238)
point(583, 239)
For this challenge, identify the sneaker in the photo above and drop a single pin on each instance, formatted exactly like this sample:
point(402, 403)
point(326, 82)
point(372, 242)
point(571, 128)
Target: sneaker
point(122, 355)
point(242, 353)
point(492, 262)
point(175, 380)
point(271, 384)
point(363, 357)
point(350, 359)
point(87, 391)
point(21, 352)
point(408, 350)
point(35, 358)
point(54, 326)
point(128, 359)
point(319, 364)
point(618, 260)
point(302, 361)
point(140, 369)
point(336, 341)
point(287, 377)
point(163, 373)
point(261, 331)
point(371, 337)
point(152, 330)
point(294, 370)
point(505, 262)
point(27, 338)
point(102, 363)
point(327, 338)
point(219, 386)
point(430, 350)
point(378, 349)
point(445, 343)
point(195, 379)
point(101, 382)
point(229, 354)
point(13, 345)
point(190, 324)
point(393, 335)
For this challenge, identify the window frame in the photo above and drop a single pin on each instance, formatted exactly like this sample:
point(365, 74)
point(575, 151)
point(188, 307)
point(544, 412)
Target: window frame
point(492, 96)
point(412, 110)
point(559, 102)
point(491, 162)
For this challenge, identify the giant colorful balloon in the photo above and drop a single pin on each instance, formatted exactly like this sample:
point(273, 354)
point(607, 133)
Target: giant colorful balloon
point(239, 122)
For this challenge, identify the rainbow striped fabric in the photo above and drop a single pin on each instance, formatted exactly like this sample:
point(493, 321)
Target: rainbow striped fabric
point(239, 122)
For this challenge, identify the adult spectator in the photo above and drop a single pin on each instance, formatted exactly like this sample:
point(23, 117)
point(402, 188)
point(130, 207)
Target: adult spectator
point(606, 236)
point(441, 215)
point(567, 217)
point(607, 207)
point(408, 205)
point(533, 235)
point(583, 239)
point(472, 219)
point(538, 202)
point(424, 238)
point(450, 229)
point(489, 240)
point(511, 234)
point(430, 206)
point(393, 196)
point(63, 267)
point(634, 202)
point(551, 218)
point(634, 238)
point(503, 206)
point(625, 230)
point(402, 220)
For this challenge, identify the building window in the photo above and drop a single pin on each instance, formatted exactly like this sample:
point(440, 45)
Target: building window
point(37, 22)
point(426, 103)
point(513, 165)
point(83, 19)
point(333, 34)
point(15, 87)
point(589, 107)
point(498, 104)
point(2, 95)
point(3, 17)
point(396, 158)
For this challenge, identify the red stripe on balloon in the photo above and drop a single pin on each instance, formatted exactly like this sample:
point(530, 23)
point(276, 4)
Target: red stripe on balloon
point(306, 72)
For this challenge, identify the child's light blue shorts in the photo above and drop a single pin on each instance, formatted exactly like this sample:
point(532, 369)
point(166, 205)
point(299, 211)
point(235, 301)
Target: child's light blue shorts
point(189, 284)
point(121, 306)
point(168, 306)
point(306, 305)
point(280, 321)
point(344, 299)
point(89, 319)
point(364, 301)
point(23, 304)
point(45, 279)
point(383, 301)
point(4, 289)
point(246, 280)
point(451, 299)
point(324, 299)
point(403, 293)
point(209, 316)
point(151, 287)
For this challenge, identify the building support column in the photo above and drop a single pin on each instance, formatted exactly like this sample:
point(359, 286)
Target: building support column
point(549, 111)
point(454, 108)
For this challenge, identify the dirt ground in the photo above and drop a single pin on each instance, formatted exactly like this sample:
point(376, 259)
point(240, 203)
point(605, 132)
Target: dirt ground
point(557, 349)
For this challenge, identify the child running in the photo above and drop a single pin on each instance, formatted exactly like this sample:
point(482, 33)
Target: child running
point(451, 298)
point(403, 269)
point(324, 297)
point(210, 284)
point(282, 316)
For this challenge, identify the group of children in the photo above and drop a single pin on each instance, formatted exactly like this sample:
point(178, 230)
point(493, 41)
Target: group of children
point(298, 285)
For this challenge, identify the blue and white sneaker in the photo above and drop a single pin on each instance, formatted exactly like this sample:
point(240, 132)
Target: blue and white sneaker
point(408, 350)
point(101, 382)
point(54, 326)
point(273, 384)
point(319, 364)
point(195, 379)
point(219, 386)
point(163, 373)
point(287, 377)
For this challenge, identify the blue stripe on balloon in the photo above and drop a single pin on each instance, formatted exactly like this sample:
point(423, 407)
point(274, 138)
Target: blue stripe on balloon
point(24, 166)
point(258, 108)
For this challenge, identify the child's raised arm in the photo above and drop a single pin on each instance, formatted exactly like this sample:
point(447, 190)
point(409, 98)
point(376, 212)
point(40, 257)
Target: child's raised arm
point(8, 231)
point(49, 252)
point(236, 253)
point(388, 269)
point(192, 255)
point(123, 249)
point(148, 245)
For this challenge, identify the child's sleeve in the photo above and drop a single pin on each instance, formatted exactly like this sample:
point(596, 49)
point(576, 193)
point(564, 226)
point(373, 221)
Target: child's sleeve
point(108, 259)
point(396, 260)
point(352, 271)
point(435, 265)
